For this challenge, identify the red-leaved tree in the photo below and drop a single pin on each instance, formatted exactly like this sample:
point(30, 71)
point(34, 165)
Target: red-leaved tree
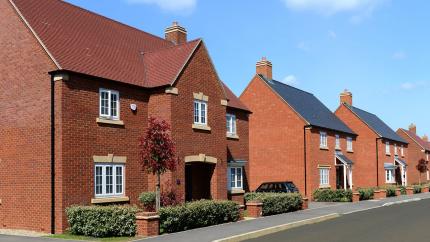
point(157, 151)
point(422, 167)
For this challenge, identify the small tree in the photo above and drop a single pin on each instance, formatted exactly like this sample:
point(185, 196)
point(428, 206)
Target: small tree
point(422, 167)
point(157, 151)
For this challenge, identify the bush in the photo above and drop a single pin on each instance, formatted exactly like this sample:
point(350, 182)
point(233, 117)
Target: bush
point(197, 214)
point(148, 200)
point(417, 189)
point(276, 203)
point(391, 190)
point(366, 193)
point(402, 190)
point(328, 195)
point(102, 221)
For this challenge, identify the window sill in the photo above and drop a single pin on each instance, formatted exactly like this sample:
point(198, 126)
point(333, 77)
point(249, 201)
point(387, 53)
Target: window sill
point(338, 148)
point(232, 136)
point(201, 127)
point(109, 200)
point(386, 182)
point(323, 148)
point(350, 151)
point(109, 121)
point(387, 154)
point(236, 191)
point(324, 186)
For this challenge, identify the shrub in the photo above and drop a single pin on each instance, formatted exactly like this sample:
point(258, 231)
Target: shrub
point(328, 195)
point(197, 214)
point(366, 193)
point(148, 200)
point(276, 203)
point(417, 189)
point(102, 221)
point(391, 190)
point(402, 190)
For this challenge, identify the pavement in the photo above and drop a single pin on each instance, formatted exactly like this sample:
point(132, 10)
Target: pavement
point(220, 232)
point(397, 223)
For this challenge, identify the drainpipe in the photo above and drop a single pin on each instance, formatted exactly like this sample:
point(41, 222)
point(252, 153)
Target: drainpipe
point(377, 162)
point(305, 162)
point(52, 155)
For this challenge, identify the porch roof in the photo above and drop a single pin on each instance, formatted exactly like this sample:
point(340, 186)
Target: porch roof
point(388, 165)
point(343, 158)
point(400, 161)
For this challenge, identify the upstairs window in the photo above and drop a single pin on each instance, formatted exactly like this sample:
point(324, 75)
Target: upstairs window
point(323, 140)
point(402, 151)
point(395, 149)
point(109, 104)
point(109, 180)
point(337, 144)
point(387, 148)
point(231, 124)
point(200, 112)
point(427, 156)
point(348, 143)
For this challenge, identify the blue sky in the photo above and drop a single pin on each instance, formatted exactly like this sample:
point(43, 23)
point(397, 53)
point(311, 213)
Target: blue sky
point(378, 49)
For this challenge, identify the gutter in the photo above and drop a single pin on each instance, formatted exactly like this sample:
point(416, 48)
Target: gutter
point(52, 155)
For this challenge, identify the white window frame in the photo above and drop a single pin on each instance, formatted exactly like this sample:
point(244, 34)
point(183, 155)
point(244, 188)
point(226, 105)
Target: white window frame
point(324, 176)
point(349, 144)
point(323, 140)
point(390, 176)
point(109, 107)
point(114, 193)
point(236, 179)
point(231, 124)
point(402, 152)
point(201, 119)
point(387, 148)
point(395, 149)
point(427, 156)
point(337, 142)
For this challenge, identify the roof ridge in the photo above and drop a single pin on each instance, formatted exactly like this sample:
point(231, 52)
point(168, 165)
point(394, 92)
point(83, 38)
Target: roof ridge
point(112, 20)
point(171, 47)
point(286, 85)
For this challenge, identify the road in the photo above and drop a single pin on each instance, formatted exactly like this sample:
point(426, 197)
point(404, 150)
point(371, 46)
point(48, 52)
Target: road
point(407, 222)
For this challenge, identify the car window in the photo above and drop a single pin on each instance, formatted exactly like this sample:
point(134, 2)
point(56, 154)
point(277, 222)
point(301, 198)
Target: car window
point(263, 186)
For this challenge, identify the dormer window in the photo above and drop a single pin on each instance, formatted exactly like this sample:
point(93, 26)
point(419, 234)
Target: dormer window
point(109, 104)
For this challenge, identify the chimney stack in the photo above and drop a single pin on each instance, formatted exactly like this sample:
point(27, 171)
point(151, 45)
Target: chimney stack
point(425, 138)
point(264, 67)
point(413, 128)
point(346, 97)
point(176, 34)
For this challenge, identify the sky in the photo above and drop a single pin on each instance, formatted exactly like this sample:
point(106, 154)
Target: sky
point(377, 49)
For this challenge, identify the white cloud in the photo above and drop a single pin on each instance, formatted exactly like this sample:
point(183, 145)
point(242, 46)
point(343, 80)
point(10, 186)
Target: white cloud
point(412, 85)
point(290, 80)
point(303, 46)
point(399, 55)
point(169, 5)
point(332, 34)
point(361, 8)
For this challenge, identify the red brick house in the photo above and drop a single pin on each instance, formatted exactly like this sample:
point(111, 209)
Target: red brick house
point(78, 89)
point(418, 149)
point(381, 153)
point(294, 137)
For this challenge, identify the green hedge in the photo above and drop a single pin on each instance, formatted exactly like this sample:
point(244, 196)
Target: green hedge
point(197, 214)
point(276, 203)
point(417, 189)
point(102, 221)
point(329, 195)
point(391, 190)
point(366, 193)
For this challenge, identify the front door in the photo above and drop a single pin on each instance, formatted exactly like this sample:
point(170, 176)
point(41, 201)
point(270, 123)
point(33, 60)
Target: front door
point(339, 177)
point(198, 180)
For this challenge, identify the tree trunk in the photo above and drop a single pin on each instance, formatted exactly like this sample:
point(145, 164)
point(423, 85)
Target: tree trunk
point(157, 194)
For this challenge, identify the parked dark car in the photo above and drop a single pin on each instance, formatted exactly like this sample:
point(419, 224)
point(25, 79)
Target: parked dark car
point(286, 186)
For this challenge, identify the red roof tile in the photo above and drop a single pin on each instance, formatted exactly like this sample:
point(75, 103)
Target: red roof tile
point(85, 42)
point(234, 101)
point(425, 145)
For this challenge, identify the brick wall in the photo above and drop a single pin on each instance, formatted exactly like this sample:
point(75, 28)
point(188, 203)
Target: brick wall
point(24, 126)
point(415, 153)
point(276, 140)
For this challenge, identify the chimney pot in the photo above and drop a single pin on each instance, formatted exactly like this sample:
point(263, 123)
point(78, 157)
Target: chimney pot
point(176, 34)
point(346, 97)
point(425, 138)
point(413, 128)
point(264, 67)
